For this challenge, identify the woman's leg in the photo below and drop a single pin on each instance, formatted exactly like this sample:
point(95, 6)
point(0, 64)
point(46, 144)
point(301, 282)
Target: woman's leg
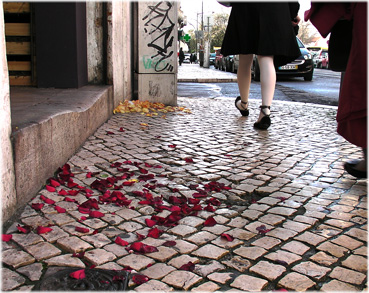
point(244, 79)
point(267, 80)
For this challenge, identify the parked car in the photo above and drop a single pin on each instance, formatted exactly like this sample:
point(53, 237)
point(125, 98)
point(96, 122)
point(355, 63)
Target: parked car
point(318, 55)
point(235, 63)
point(322, 60)
point(212, 58)
point(301, 67)
point(228, 62)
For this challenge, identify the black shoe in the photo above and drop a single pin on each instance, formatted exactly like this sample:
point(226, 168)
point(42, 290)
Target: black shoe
point(244, 111)
point(350, 168)
point(264, 122)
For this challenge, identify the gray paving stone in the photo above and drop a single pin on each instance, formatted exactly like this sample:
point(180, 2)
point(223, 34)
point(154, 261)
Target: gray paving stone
point(11, 280)
point(73, 244)
point(16, 258)
point(238, 263)
point(65, 260)
point(98, 240)
point(210, 251)
point(181, 279)
point(158, 271)
point(311, 270)
point(135, 261)
point(268, 270)
point(208, 268)
point(99, 256)
point(154, 285)
point(296, 282)
point(43, 250)
point(249, 283)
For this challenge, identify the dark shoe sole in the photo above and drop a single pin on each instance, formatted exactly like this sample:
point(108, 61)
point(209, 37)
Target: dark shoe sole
point(243, 112)
point(350, 168)
point(263, 124)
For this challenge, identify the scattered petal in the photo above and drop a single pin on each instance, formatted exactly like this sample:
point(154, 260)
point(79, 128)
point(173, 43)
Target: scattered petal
point(24, 229)
point(150, 223)
point(209, 222)
point(82, 230)
point(227, 237)
point(190, 266)
point(50, 188)
point(60, 210)
point(37, 206)
point(80, 274)
point(120, 241)
point(96, 214)
point(155, 233)
point(139, 279)
point(43, 230)
point(54, 183)
point(169, 243)
point(7, 237)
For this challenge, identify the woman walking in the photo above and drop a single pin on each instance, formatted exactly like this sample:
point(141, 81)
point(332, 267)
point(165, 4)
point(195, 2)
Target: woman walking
point(267, 30)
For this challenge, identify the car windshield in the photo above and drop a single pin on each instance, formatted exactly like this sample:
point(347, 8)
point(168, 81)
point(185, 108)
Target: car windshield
point(301, 45)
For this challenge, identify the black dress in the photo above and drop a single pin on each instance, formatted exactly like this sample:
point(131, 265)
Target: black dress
point(262, 28)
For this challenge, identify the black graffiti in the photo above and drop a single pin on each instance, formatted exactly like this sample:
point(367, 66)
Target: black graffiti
point(160, 26)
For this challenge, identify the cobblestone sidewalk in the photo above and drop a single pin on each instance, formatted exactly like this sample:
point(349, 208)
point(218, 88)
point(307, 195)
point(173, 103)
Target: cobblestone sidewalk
point(219, 205)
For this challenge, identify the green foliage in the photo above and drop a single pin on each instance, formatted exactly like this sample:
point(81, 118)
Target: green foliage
point(218, 29)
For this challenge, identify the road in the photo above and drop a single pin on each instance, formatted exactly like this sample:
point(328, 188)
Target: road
point(323, 89)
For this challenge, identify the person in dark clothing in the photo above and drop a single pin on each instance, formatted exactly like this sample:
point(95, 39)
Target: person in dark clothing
point(352, 112)
point(181, 56)
point(265, 29)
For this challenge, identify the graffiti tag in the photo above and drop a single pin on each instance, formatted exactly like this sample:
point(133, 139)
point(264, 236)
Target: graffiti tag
point(160, 27)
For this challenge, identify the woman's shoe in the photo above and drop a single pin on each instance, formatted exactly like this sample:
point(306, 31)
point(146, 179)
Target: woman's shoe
point(350, 168)
point(245, 110)
point(264, 122)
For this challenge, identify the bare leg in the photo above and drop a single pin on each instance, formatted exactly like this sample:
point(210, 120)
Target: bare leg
point(268, 80)
point(244, 79)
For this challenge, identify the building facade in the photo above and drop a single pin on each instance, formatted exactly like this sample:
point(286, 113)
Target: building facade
point(65, 67)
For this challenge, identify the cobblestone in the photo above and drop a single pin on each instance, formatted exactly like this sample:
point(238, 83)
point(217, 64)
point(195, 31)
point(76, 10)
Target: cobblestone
point(290, 218)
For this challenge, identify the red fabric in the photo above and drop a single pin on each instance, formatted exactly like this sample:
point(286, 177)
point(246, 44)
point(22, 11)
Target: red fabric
point(352, 107)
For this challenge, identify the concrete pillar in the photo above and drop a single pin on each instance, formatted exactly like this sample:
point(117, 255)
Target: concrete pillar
point(7, 175)
point(157, 52)
point(119, 72)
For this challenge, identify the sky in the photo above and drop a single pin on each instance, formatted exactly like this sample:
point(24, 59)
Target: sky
point(192, 9)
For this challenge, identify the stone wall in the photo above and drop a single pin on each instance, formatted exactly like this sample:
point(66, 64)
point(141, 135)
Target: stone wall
point(7, 177)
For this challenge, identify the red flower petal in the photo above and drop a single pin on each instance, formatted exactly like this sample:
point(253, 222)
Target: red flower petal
point(172, 145)
point(193, 201)
point(82, 230)
point(209, 208)
point(60, 210)
point(121, 129)
point(96, 214)
point(24, 229)
point(140, 236)
point(169, 243)
point(37, 206)
point(154, 233)
point(73, 192)
point(262, 229)
point(139, 279)
point(7, 237)
point(227, 237)
point(43, 230)
point(150, 223)
point(46, 200)
point(142, 248)
point(120, 241)
point(50, 188)
point(80, 274)
point(83, 210)
point(69, 199)
point(190, 266)
point(209, 222)
point(54, 183)
point(188, 160)
point(62, 192)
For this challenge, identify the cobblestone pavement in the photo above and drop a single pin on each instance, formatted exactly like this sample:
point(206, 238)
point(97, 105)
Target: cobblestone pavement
point(235, 208)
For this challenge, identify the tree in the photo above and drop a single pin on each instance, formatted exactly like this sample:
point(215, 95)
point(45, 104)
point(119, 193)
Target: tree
point(218, 29)
point(307, 32)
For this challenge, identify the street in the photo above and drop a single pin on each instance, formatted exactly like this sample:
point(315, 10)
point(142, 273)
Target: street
point(323, 89)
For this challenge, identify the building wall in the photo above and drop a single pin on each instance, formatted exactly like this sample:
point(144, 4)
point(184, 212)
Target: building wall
point(7, 177)
point(119, 70)
point(95, 52)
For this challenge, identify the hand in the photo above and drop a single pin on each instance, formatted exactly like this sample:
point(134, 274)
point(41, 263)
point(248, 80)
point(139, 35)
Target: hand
point(296, 21)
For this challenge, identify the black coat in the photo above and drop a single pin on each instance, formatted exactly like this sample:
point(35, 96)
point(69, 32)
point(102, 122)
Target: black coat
point(262, 28)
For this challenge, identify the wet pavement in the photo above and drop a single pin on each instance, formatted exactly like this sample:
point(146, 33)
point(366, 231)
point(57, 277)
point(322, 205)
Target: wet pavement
point(202, 201)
